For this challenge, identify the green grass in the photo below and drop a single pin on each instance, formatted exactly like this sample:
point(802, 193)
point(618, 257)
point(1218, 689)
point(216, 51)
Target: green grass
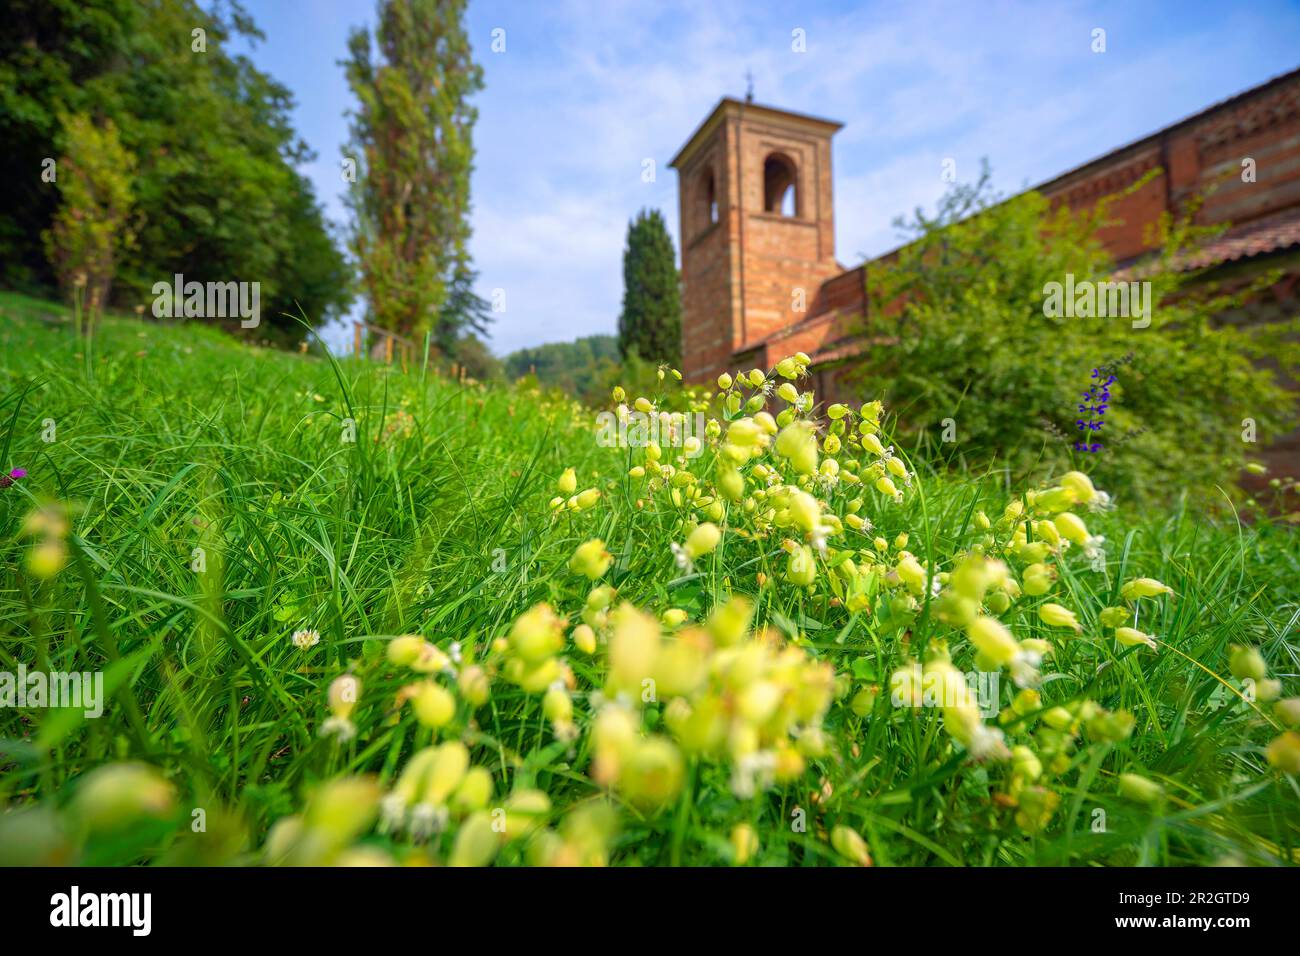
point(435, 521)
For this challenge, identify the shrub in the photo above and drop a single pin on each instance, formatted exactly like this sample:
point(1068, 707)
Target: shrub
point(967, 304)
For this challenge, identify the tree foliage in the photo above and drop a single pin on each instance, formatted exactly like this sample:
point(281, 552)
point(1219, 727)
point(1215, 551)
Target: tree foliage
point(412, 141)
point(960, 315)
point(91, 228)
point(650, 324)
point(555, 362)
point(217, 193)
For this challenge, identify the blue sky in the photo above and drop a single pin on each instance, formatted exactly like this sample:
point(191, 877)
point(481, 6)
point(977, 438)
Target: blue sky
point(586, 90)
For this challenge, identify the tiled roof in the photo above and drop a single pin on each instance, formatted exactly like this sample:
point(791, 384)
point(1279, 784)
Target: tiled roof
point(1267, 234)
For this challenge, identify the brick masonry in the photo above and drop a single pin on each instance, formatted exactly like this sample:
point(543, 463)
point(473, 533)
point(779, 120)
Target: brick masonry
point(759, 285)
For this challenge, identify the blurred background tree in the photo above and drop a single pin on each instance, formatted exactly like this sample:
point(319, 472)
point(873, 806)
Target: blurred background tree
point(651, 321)
point(412, 141)
point(91, 228)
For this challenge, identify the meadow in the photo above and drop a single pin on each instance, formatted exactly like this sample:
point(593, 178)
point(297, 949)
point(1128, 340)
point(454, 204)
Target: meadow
point(351, 614)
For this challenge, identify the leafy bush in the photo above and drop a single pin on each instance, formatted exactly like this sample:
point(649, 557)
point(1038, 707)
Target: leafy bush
point(963, 309)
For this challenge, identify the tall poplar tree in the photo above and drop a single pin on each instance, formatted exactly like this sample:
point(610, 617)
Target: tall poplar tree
point(412, 145)
point(651, 322)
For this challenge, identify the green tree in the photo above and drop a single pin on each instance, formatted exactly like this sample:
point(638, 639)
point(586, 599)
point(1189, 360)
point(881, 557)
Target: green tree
point(963, 316)
point(92, 225)
point(412, 142)
point(216, 189)
point(463, 317)
point(650, 324)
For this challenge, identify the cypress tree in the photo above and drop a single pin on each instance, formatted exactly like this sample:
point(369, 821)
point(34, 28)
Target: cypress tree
point(651, 322)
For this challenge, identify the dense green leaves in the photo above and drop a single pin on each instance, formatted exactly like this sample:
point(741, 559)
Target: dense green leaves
point(216, 191)
point(650, 324)
point(412, 143)
point(963, 308)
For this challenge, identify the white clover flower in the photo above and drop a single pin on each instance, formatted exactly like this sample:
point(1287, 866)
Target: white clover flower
point(753, 772)
point(1024, 669)
point(987, 743)
point(426, 820)
point(339, 727)
point(1101, 502)
point(305, 639)
point(392, 813)
point(682, 559)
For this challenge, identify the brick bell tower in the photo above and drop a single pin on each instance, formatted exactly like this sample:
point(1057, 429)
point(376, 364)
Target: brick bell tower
point(757, 228)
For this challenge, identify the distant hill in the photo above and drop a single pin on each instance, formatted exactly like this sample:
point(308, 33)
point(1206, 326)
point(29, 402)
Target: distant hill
point(572, 366)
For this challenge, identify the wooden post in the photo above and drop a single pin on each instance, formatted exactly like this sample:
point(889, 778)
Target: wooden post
point(388, 350)
point(356, 339)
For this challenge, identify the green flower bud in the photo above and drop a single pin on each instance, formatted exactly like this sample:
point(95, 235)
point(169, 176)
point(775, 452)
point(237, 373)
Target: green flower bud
point(537, 634)
point(1284, 752)
point(405, 650)
point(744, 843)
point(118, 794)
point(1288, 711)
point(1055, 499)
point(1144, 588)
point(729, 622)
point(1072, 528)
point(800, 567)
point(1081, 485)
point(1139, 789)
point(849, 844)
point(591, 559)
point(1032, 552)
point(991, 637)
point(864, 702)
point(730, 483)
point(476, 843)
point(474, 791)
point(651, 776)
point(584, 639)
point(1114, 616)
point(998, 602)
point(433, 704)
point(450, 761)
point(1057, 616)
point(1247, 663)
point(1112, 727)
point(703, 540)
point(798, 443)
